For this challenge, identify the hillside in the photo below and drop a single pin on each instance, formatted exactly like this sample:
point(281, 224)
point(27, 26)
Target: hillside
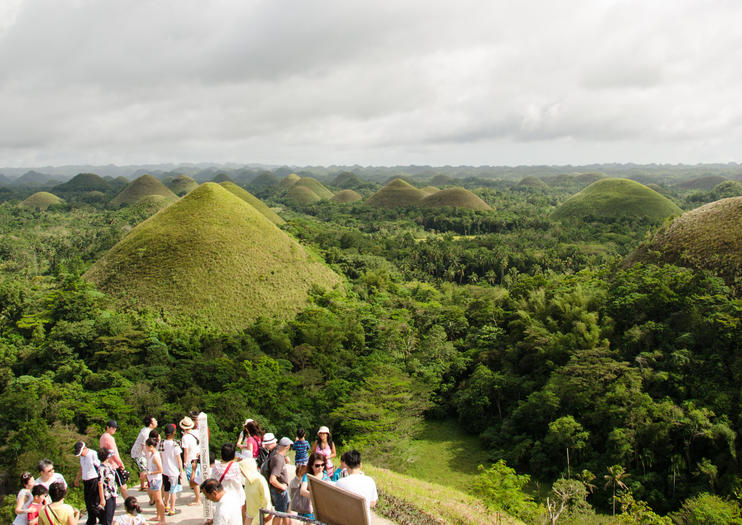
point(210, 258)
point(32, 179)
point(253, 201)
point(609, 199)
point(441, 180)
point(709, 237)
point(347, 196)
point(532, 182)
point(430, 190)
point(702, 183)
point(315, 186)
point(182, 184)
point(288, 181)
point(83, 182)
point(455, 198)
point(40, 201)
point(142, 187)
point(346, 180)
point(222, 177)
point(396, 193)
point(301, 195)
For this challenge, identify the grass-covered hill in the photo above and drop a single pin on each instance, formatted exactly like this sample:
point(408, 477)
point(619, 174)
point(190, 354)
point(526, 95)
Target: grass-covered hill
point(142, 187)
point(254, 202)
point(532, 182)
point(347, 180)
point(33, 179)
point(728, 188)
point(609, 199)
point(181, 185)
point(263, 182)
point(288, 181)
point(396, 193)
point(316, 186)
point(347, 196)
point(83, 182)
point(301, 195)
point(303, 190)
point(40, 200)
point(455, 198)
point(430, 190)
point(441, 180)
point(709, 237)
point(222, 177)
point(211, 259)
point(702, 183)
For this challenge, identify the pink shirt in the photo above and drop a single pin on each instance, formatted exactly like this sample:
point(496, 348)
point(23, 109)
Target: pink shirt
point(107, 441)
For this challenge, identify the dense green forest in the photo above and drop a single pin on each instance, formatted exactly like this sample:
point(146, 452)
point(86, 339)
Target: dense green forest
point(614, 387)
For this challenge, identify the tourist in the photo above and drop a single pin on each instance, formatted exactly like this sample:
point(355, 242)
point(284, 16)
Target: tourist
point(88, 472)
point(257, 493)
point(253, 439)
point(356, 481)
point(191, 457)
point(133, 511)
point(227, 472)
point(154, 477)
point(267, 449)
point(108, 441)
point(58, 512)
point(172, 468)
point(24, 499)
point(47, 476)
point(316, 468)
point(40, 495)
point(228, 507)
point(326, 447)
point(279, 479)
point(107, 491)
point(137, 450)
point(242, 439)
point(301, 448)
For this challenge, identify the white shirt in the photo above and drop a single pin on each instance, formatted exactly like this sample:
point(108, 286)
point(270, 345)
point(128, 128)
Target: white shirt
point(170, 452)
point(232, 480)
point(362, 485)
point(89, 464)
point(55, 478)
point(228, 510)
point(191, 446)
point(137, 450)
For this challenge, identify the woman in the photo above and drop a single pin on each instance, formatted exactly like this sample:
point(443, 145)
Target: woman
point(326, 447)
point(107, 487)
point(24, 499)
point(242, 440)
point(133, 513)
point(154, 477)
point(253, 439)
point(257, 494)
point(58, 512)
point(316, 468)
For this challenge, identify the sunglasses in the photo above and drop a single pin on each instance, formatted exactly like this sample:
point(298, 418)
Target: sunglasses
point(319, 465)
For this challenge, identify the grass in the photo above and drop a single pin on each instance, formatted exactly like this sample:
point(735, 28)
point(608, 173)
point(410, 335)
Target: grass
point(430, 190)
point(182, 184)
point(455, 198)
point(616, 198)
point(142, 187)
point(213, 260)
point(84, 182)
point(40, 201)
point(396, 193)
point(347, 196)
point(314, 185)
point(346, 180)
point(289, 180)
point(302, 195)
point(532, 182)
point(253, 201)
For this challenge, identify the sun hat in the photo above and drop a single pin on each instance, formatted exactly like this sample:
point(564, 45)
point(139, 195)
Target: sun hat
point(186, 423)
point(268, 438)
point(79, 447)
point(323, 430)
point(248, 420)
point(285, 442)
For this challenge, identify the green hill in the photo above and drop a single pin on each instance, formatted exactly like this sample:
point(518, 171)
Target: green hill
point(253, 201)
point(441, 180)
point(728, 188)
point(702, 183)
point(288, 181)
point(589, 178)
point(210, 259)
point(301, 195)
point(616, 198)
point(40, 201)
point(83, 182)
point(182, 184)
point(222, 177)
point(396, 193)
point(532, 182)
point(265, 181)
point(430, 190)
point(709, 237)
point(316, 186)
point(347, 180)
point(151, 204)
point(142, 187)
point(347, 196)
point(455, 198)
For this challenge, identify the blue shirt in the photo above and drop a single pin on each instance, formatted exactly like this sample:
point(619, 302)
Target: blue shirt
point(302, 451)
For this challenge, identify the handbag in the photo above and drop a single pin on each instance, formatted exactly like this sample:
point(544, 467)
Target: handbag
point(299, 503)
point(123, 475)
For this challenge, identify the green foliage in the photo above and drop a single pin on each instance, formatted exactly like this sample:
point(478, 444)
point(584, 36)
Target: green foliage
point(708, 509)
point(501, 488)
point(454, 198)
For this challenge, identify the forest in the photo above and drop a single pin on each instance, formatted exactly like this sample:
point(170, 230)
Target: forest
point(589, 377)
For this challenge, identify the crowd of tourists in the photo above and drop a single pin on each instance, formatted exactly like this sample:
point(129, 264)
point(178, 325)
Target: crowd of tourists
point(251, 473)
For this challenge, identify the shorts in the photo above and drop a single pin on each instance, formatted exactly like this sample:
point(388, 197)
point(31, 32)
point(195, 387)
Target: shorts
point(141, 464)
point(280, 499)
point(299, 462)
point(155, 483)
point(171, 484)
point(194, 478)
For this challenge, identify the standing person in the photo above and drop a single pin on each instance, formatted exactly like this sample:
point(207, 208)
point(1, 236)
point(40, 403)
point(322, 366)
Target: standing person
point(356, 481)
point(172, 468)
point(254, 439)
point(107, 487)
point(227, 511)
point(267, 448)
point(279, 479)
point(47, 476)
point(242, 440)
point(154, 477)
point(88, 472)
point(191, 457)
point(315, 468)
point(133, 511)
point(58, 512)
point(301, 447)
point(326, 447)
point(137, 449)
point(228, 473)
point(24, 499)
point(257, 493)
point(108, 441)
point(40, 494)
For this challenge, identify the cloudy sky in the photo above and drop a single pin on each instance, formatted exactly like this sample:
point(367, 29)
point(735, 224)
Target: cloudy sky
point(380, 82)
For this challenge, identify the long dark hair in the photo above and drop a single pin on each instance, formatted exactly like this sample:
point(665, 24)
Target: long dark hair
point(253, 429)
point(132, 506)
point(25, 478)
point(329, 440)
point(314, 456)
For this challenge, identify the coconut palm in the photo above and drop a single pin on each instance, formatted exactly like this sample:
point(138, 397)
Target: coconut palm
point(616, 475)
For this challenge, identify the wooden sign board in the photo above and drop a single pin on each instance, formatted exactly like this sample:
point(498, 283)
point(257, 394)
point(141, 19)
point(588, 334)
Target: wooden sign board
point(336, 506)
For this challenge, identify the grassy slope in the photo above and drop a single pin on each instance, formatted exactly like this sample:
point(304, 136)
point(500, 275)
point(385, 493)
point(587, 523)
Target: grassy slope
point(702, 183)
point(396, 193)
point(532, 182)
point(182, 184)
point(289, 180)
point(455, 198)
point(84, 182)
point(253, 201)
point(302, 195)
point(316, 186)
point(40, 200)
point(347, 196)
point(211, 259)
point(142, 187)
point(613, 198)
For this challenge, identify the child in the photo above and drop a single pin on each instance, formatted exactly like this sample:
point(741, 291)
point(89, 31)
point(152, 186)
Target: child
point(132, 513)
point(39, 493)
point(154, 476)
point(301, 447)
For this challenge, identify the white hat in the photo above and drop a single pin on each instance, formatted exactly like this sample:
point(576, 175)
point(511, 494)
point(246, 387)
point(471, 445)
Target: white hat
point(186, 423)
point(268, 438)
point(248, 420)
point(323, 430)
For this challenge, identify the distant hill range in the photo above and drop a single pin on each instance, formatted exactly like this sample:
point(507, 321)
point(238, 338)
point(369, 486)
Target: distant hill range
point(182, 184)
point(399, 193)
point(84, 182)
point(702, 183)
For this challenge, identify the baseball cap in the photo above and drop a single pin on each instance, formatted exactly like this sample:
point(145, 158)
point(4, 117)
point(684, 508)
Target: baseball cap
point(79, 447)
point(285, 442)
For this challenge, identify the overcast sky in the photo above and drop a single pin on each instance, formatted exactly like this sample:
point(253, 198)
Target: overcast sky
point(380, 82)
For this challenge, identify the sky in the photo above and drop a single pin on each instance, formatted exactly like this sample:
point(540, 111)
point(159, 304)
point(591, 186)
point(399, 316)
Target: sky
point(383, 82)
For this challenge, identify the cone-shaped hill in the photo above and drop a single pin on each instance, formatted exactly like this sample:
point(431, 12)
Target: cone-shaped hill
point(430, 190)
point(83, 182)
point(532, 182)
point(441, 180)
point(222, 177)
point(182, 184)
point(316, 186)
point(396, 193)
point(253, 201)
point(142, 187)
point(347, 180)
point(455, 198)
point(709, 237)
point(40, 200)
point(347, 196)
point(210, 258)
point(288, 181)
point(301, 195)
point(616, 198)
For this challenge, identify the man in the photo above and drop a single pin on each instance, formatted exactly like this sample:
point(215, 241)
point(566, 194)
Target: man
point(88, 472)
point(279, 479)
point(47, 476)
point(191, 456)
point(108, 441)
point(137, 450)
point(172, 468)
point(356, 481)
point(228, 509)
point(266, 450)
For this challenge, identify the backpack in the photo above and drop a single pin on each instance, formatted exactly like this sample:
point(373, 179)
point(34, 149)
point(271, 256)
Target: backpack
point(262, 456)
point(265, 467)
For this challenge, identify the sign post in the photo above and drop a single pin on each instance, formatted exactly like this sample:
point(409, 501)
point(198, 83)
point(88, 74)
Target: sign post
point(203, 441)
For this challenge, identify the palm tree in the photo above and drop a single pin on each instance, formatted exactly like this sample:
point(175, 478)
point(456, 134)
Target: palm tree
point(616, 475)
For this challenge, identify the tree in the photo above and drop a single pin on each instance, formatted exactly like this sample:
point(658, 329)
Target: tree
point(565, 493)
point(616, 475)
point(569, 434)
point(501, 489)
